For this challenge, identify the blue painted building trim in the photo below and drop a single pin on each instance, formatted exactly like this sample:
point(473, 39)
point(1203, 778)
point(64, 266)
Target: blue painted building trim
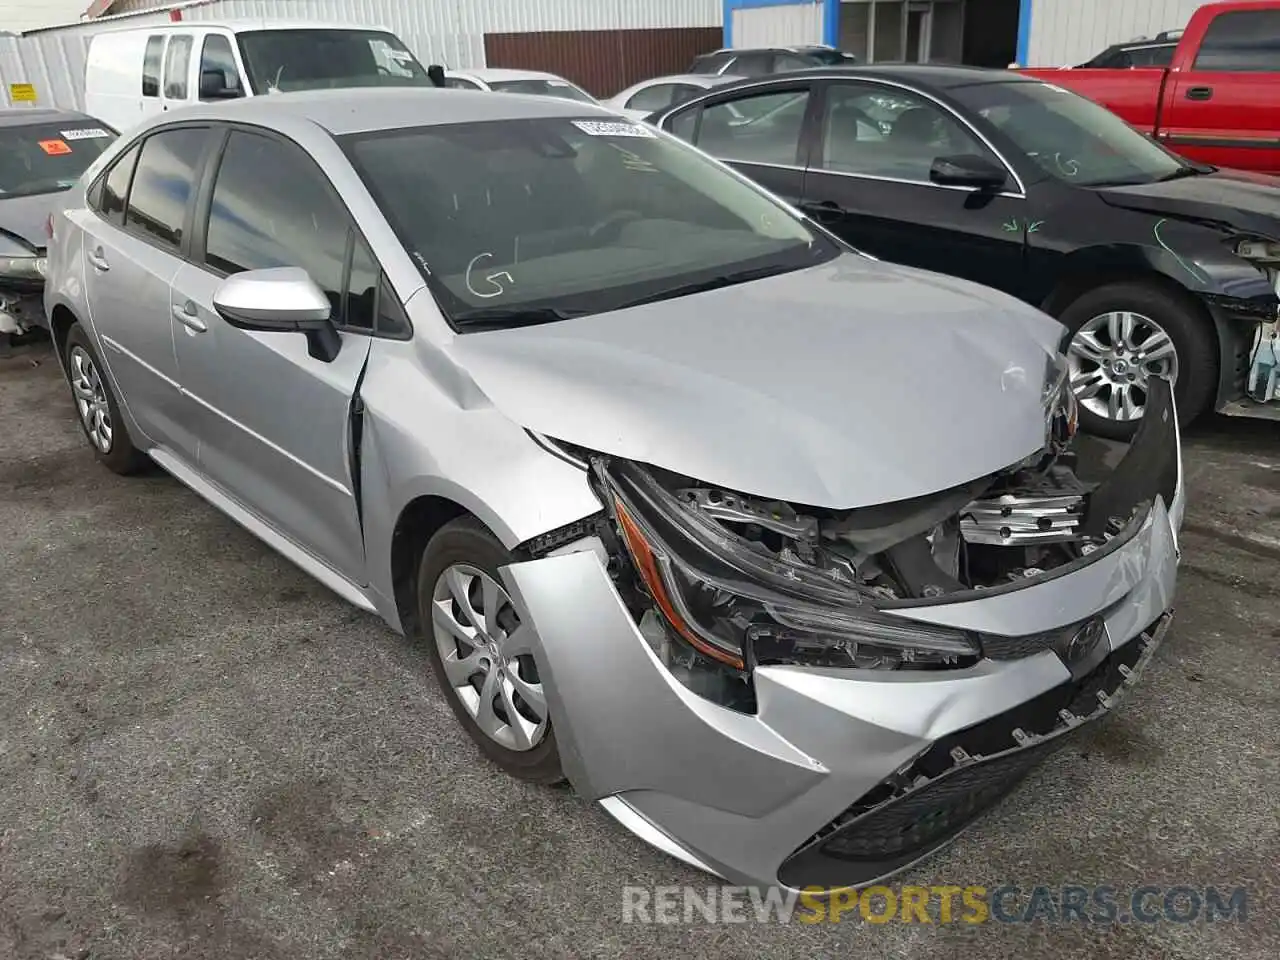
point(1024, 33)
point(831, 22)
point(830, 15)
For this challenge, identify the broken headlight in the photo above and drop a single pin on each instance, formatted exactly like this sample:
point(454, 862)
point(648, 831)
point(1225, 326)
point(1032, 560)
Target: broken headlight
point(738, 605)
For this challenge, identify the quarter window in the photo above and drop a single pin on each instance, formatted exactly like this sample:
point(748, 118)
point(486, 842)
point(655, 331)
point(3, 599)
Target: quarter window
point(115, 187)
point(177, 63)
point(151, 63)
point(869, 131)
point(764, 128)
point(272, 208)
point(162, 185)
point(1242, 41)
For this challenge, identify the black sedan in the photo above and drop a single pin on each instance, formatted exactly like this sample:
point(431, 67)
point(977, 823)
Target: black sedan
point(1155, 265)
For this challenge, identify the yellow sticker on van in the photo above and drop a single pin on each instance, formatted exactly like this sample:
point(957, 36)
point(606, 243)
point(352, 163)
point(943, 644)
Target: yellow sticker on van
point(22, 93)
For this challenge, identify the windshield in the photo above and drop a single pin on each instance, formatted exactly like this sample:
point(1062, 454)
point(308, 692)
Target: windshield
point(286, 60)
point(1071, 138)
point(532, 220)
point(48, 157)
point(547, 87)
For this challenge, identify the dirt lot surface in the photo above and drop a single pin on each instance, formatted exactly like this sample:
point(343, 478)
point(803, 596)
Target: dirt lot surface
point(204, 754)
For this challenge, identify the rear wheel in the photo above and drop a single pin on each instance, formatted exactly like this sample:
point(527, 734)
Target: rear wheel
point(96, 407)
point(481, 658)
point(1122, 335)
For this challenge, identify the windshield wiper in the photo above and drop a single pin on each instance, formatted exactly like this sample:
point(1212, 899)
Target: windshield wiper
point(1183, 172)
point(711, 283)
point(498, 318)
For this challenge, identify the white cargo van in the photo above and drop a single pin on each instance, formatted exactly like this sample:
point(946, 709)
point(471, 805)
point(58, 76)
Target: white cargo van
point(135, 73)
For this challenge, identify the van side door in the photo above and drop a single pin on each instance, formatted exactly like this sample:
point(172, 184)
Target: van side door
point(176, 86)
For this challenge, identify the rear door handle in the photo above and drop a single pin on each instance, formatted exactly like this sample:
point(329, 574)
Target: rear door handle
point(824, 211)
point(1200, 93)
point(189, 317)
point(98, 259)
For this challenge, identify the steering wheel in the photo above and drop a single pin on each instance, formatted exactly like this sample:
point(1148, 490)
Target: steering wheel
point(613, 224)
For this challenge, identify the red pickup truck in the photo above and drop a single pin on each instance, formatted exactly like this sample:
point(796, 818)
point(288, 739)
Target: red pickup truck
point(1218, 102)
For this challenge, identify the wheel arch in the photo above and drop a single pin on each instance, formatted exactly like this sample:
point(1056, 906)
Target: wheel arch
point(61, 320)
point(416, 524)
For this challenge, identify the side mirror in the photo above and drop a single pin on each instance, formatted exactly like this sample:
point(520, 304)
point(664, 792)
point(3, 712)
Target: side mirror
point(968, 170)
point(214, 86)
point(280, 300)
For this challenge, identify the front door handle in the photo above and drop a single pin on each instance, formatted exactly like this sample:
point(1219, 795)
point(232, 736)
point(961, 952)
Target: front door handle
point(824, 211)
point(98, 259)
point(1200, 93)
point(189, 317)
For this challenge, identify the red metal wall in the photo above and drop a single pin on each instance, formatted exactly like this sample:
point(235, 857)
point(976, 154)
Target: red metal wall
point(602, 61)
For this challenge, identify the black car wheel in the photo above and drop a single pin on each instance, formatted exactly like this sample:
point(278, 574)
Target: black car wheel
point(1122, 334)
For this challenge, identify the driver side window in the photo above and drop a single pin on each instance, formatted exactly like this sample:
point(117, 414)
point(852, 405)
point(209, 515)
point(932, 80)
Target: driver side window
point(878, 132)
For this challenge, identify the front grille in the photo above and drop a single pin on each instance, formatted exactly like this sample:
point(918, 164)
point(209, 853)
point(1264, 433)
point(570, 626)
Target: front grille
point(960, 777)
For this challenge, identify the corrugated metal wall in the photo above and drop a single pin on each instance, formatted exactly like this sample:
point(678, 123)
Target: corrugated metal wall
point(603, 61)
point(441, 31)
point(1067, 32)
point(777, 25)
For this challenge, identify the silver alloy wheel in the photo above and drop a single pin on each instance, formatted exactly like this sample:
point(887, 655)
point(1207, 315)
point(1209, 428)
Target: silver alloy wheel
point(91, 399)
point(487, 657)
point(1111, 358)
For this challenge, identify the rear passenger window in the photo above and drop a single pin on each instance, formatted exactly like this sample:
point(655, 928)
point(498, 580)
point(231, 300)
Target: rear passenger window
point(152, 61)
point(1242, 41)
point(115, 187)
point(163, 184)
point(764, 128)
point(177, 64)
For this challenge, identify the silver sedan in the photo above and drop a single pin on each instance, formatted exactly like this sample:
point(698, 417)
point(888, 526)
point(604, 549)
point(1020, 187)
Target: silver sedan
point(788, 557)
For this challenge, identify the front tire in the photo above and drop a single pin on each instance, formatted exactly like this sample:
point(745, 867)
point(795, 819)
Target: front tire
point(96, 407)
point(486, 670)
point(1119, 336)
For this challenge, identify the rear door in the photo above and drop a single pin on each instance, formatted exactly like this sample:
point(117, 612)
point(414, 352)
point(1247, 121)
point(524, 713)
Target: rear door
point(759, 131)
point(868, 181)
point(133, 251)
point(274, 422)
point(152, 76)
point(175, 90)
point(1225, 109)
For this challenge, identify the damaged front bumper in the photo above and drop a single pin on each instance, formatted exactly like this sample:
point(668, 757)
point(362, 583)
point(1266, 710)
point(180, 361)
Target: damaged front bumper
point(841, 777)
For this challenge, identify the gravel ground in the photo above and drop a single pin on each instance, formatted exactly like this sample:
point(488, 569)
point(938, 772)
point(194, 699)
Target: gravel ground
point(204, 754)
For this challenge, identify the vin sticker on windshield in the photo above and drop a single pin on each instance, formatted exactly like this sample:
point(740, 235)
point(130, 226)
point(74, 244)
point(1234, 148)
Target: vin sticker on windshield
point(84, 133)
point(607, 128)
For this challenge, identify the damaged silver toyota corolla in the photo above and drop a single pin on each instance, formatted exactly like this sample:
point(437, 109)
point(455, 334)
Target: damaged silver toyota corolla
point(791, 559)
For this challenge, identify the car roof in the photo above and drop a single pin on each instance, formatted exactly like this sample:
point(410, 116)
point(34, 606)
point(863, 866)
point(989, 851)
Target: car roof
point(243, 26)
point(939, 76)
point(697, 79)
point(370, 109)
point(21, 117)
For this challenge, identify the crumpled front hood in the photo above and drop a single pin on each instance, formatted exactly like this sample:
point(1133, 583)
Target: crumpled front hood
point(1249, 202)
point(844, 385)
point(27, 218)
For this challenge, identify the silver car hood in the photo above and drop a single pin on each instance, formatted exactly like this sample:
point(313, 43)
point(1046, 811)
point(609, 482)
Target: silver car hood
point(843, 385)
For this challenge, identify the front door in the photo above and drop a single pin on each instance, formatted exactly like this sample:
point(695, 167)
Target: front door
point(274, 421)
point(760, 134)
point(869, 181)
